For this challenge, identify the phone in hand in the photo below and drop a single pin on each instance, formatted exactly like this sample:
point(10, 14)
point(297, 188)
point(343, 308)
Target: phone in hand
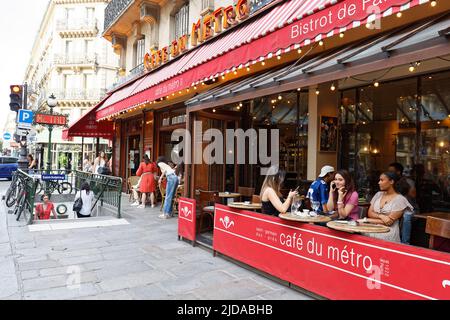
point(333, 186)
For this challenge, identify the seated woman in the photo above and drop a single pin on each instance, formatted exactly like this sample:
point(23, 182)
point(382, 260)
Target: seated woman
point(387, 207)
point(271, 198)
point(45, 209)
point(343, 197)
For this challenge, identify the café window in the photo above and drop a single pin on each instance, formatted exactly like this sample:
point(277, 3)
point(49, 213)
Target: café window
point(405, 121)
point(181, 21)
point(286, 112)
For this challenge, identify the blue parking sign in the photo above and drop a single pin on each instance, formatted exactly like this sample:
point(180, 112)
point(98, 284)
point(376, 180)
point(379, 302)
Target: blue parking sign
point(25, 117)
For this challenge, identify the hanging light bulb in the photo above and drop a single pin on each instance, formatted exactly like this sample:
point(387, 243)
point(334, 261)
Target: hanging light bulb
point(248, 69)
point(433, 3)
point(279, 57)
point(412, 68)
point(299, 51)
point(223, 77)
point(280, 98)
point(317, 92)
point(341, 35)
point(214, 110)
point(263, 63)
point(240, 104)
point(320, 43)
point(376, 84)
point(333, 87)
point(399, 14)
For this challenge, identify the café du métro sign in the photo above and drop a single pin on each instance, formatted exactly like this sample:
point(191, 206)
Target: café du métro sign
point(205, 28)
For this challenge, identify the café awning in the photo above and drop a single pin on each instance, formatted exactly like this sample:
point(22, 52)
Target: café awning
point(290, 25)
point(421, 41)
point(88, 127)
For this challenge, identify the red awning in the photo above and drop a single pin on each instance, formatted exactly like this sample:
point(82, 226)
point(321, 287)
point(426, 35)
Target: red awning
point(88, 127)
point(290, 25)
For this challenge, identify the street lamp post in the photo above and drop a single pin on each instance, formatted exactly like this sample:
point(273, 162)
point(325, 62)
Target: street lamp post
point(51, 102)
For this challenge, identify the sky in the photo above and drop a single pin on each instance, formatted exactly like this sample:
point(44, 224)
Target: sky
point(18, 27)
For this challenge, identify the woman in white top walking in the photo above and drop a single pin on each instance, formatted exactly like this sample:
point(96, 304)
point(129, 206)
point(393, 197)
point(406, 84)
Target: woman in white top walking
point(87, 196)
point(172, 184)
point(99, 162)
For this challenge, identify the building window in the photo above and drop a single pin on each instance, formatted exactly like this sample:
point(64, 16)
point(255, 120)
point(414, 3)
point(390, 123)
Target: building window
point(90, 15)
point(181, 21)
point(139, 52)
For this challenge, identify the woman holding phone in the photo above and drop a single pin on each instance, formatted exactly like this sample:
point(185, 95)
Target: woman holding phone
point(343, 196)
point(271, 199)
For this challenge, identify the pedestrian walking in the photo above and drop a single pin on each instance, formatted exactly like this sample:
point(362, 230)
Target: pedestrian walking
point(172, 184)
point(146, 171)
point(87, 196)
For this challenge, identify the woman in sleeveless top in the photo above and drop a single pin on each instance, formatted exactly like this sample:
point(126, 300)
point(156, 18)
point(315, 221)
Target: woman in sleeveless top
point(271, 200)
point(387, 207)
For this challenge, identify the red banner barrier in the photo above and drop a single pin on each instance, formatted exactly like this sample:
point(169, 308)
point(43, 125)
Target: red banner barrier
point(332, 264)
point(187, 218)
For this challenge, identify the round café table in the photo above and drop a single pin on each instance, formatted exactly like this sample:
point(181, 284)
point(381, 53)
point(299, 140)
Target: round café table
point(307, 219)
point(342, 225)
point(228, 196)
point(243, 206)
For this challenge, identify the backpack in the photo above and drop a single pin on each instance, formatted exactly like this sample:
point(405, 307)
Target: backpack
point(78, 205)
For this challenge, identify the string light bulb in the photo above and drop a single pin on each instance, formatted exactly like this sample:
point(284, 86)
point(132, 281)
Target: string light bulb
point(399, 14)
point(263, 63)
point(317, 92)
point(280, 97)
point(433, 3)
point(376, 84)
point(341, 35)
point(279, 57)
point(333, 87)
point(320, 43)
point(299, 51)
point(412, 68)
point(248, 69)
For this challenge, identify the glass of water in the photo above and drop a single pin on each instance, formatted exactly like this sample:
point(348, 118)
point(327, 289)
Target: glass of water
point(315, 206)
point(296, 205)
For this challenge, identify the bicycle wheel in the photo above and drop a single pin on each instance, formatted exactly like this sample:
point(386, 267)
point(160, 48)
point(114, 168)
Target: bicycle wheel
point(11, 195)
point(20, 206)
point(65, 188)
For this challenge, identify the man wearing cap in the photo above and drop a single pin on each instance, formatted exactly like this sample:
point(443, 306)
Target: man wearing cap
point(319, 191)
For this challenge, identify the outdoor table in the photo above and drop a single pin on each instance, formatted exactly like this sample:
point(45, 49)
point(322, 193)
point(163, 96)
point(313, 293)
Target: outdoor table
point(308, 219)
point(243, 206)
point(360, 228)
point(228, 196)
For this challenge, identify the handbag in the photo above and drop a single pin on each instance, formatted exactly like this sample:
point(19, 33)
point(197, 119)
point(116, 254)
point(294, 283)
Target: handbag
point(77, 205)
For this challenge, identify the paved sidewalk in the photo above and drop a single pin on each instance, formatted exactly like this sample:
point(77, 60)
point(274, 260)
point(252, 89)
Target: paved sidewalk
point(139, 260)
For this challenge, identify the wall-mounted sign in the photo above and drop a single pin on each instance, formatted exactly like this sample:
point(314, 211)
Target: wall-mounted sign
point(205, 28)
point(59, 120)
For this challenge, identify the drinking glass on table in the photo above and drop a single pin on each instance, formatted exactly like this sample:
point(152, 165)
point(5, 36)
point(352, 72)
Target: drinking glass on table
point(296, 205)
point(315, 205)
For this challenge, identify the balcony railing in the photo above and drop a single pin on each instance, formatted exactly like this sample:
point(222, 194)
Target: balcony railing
point(76, 25)
point(76, 59)
point(134, 73)
point(114, 9)
point(72, 94)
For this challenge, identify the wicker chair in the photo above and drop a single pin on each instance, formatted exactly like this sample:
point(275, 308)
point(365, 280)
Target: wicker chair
point(133, 180)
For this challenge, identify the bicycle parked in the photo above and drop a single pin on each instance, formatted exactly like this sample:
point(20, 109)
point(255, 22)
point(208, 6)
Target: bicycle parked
point(18, 194)
point(62, 187)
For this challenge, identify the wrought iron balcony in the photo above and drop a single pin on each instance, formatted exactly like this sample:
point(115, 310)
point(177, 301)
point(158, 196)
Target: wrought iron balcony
point(134, 73)
point(115, 9)
point(72, 94)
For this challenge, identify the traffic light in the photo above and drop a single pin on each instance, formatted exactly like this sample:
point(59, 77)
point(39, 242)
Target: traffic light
point(16, 96)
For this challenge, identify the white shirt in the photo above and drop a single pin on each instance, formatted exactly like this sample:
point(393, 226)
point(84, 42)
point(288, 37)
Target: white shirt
point(87, 201)
point(165, 168)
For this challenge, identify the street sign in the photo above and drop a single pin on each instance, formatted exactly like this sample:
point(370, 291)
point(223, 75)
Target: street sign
point(24, 119)
point(42, 118)
point(22, 132)
point(53, 177)
point(7, 136)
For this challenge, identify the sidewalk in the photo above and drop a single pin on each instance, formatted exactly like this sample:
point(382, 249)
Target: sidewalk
point(139, 260)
